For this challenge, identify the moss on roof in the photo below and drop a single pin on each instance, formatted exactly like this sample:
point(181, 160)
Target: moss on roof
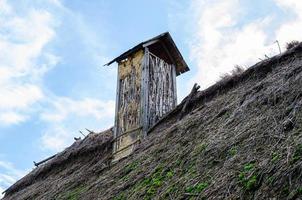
point(240, 139)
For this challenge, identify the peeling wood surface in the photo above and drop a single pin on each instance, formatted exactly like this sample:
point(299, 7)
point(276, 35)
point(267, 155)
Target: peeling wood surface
point(146, 92)
point(129, 103)
point(161, 91)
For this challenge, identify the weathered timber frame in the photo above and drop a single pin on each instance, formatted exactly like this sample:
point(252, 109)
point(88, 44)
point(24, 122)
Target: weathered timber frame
point(146, 89)
point(160, 88)
point(157, 96)
point(115, 131)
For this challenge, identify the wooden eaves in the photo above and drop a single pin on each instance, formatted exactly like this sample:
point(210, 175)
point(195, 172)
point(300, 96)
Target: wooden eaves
point(168, 45)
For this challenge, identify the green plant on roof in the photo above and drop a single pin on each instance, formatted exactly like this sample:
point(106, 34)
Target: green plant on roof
point(285, 191)
point(74, 194)
point(151, 191)
point(294, 194)
point(121, 196)
point(191, 169)
point(197, 188)
point(248, 167)
point(199, 148)
point(251, 182)
point(275, 156)
point(170, 174)
point(155, 181)
point(271, 179)
point(130, 167)
point(297, 154)
point(170, 190)
point(233, 151)
point(248, 176)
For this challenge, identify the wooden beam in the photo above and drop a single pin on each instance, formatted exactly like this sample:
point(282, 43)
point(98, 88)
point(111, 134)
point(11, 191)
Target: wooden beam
point(43, 161)
point(174, 85)
point(133, 143)
point(145, 91)
point(188, 101)
point(117, 105)
point(150, 43)
point(167, 51)
point(127, 132)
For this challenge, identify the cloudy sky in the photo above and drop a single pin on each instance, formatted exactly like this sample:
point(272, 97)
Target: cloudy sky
point(52, 83)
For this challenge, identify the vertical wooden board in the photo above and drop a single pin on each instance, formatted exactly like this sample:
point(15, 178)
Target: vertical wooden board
point(145, 89)
point(128, 110)
point(174, 85)
point(117, 100)
point(161, 89)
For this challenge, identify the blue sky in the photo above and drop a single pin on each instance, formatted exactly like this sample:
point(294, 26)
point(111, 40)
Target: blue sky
point(52, 79)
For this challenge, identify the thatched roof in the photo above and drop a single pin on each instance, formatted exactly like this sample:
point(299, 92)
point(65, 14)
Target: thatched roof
point(249, 121)
point(92, 142)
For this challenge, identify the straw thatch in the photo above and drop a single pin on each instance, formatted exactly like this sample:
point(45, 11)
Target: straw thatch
point(94, 142)
point(239, 139)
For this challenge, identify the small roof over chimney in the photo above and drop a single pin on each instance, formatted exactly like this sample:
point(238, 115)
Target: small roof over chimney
point(163, 43)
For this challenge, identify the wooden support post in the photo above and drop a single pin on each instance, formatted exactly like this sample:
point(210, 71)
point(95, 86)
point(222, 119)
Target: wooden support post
point(188, 101)
point(174, 85)
point(117, 104)
point(145, 92)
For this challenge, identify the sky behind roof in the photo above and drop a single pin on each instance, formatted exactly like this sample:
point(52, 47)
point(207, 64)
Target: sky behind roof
point(52, 79)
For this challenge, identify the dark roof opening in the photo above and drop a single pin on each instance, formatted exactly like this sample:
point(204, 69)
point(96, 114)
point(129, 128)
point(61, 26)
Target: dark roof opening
point(162, 46)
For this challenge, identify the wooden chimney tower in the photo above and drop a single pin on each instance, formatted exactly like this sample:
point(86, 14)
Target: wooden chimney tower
point(146, 89)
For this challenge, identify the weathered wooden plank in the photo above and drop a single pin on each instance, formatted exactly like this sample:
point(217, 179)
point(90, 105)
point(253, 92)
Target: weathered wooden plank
point(145, 72)
point(174, 85)
point(117, 101)
point(127, 132)
point(128, 114)
point(147, 91)
point(126, 147)
point(161, 91)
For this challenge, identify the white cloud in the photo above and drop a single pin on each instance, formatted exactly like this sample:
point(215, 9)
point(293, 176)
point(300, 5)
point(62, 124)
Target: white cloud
point(23, 59)
point(19, 96)
point(67, 116)
point(4, 7)
point(221, 41)
point(292, 5)
point(291, 30)
point(9, 174)
point(57, 3)
point(6, 179)
point(55, 139)
point(64, 107)
point(10, 169)
point(8, 118)
point(1, 191)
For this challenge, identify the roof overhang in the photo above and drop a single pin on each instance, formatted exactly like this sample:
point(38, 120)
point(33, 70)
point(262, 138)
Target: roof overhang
point(168, 45)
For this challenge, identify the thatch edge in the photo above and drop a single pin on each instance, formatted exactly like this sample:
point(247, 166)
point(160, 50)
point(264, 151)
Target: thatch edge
point(100, 141)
